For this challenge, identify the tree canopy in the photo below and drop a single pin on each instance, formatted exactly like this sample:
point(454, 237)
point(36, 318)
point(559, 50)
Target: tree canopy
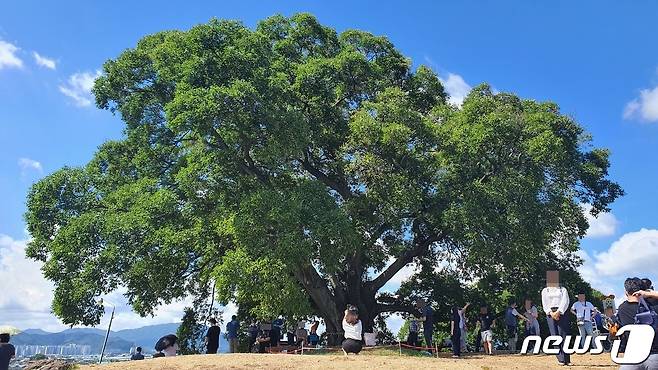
point(299, 170)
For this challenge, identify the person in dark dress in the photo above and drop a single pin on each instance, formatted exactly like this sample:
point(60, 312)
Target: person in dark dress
point(212, 337)
point(455, 332)
point(7, 351)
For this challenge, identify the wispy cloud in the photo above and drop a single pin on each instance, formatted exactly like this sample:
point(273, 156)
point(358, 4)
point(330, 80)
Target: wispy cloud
point(27, 164)
point(454, 84)
point(78, 87)
point(44, 61)
point(644, 107)
point(8, 56)
point(456, 88)
point(604, 224)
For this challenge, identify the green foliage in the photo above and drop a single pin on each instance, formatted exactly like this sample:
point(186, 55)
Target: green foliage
point(38, 357)
point(291, 164)
point(191, 333)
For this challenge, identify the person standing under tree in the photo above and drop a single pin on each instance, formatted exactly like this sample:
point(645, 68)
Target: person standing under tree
point(463, 327)
point(532, 325)
point(412, 337)
point(512, 325)
point(486, 322)
point(555, 301)
point(583, 311)
point(455, 332)
point(212, 337)
point(232, 329)
point(428, 321)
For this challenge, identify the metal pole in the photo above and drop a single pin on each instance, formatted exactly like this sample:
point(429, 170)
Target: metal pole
point(107, 335)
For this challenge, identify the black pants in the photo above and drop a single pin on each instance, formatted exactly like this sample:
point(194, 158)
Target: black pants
point(352, 346)
point(478, 342)
point(412, 338)
point(561, 328)
point(457, 342)
point(212, 349)
point(275, 336)
point(428, 339)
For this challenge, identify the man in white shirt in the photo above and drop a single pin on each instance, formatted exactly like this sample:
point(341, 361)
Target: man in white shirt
point(583, 311)
point(555, 301)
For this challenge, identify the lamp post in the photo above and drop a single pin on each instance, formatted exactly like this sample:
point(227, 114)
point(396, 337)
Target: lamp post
point(109, 326)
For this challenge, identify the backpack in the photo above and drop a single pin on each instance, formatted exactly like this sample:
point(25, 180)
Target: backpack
point(646, 315)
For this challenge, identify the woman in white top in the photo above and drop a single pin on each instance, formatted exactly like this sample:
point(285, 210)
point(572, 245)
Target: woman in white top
point(555, 301)
point(353, 331)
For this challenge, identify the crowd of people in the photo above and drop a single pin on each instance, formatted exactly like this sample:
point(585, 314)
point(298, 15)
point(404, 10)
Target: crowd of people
point(641, 300)
point(640, 307)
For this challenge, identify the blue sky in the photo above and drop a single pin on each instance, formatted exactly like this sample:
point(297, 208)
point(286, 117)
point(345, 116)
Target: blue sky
point(597, 59)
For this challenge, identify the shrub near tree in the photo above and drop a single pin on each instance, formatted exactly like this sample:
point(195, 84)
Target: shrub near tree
point(301, 169)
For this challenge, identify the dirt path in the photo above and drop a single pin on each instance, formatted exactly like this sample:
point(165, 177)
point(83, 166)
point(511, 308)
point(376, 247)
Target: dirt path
point(271, 362)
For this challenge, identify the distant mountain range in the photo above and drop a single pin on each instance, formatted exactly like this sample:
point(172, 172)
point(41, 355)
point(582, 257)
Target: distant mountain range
point(119, 341)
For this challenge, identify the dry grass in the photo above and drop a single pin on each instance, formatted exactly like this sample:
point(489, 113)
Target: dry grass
point(364, 361)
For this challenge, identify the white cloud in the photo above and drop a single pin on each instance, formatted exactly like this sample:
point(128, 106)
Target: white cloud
point(27, 164)
point(78, 87)
point(8, 57)
point(26, 297)
point(604, 224)
point(44, 61)
point(644, 107)
point(633, 254)
point(456, 87)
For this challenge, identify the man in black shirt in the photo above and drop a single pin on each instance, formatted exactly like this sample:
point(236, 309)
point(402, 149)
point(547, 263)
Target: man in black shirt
point(626, 314)
point(7, 351)
point(486, 321)
point(212, 337)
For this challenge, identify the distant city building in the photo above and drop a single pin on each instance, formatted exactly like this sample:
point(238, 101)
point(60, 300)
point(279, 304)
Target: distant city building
point(61, 350)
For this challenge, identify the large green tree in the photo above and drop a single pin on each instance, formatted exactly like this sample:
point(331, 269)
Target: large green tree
point(300, 169)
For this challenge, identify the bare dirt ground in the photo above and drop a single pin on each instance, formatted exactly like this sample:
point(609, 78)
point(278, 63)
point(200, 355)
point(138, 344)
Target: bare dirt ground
point(365, 361)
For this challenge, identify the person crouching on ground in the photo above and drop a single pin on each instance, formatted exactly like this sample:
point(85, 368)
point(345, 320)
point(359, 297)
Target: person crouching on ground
point(353, 331)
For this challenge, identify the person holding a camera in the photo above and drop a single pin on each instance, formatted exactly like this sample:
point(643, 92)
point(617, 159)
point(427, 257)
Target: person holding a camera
point(583, 311)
